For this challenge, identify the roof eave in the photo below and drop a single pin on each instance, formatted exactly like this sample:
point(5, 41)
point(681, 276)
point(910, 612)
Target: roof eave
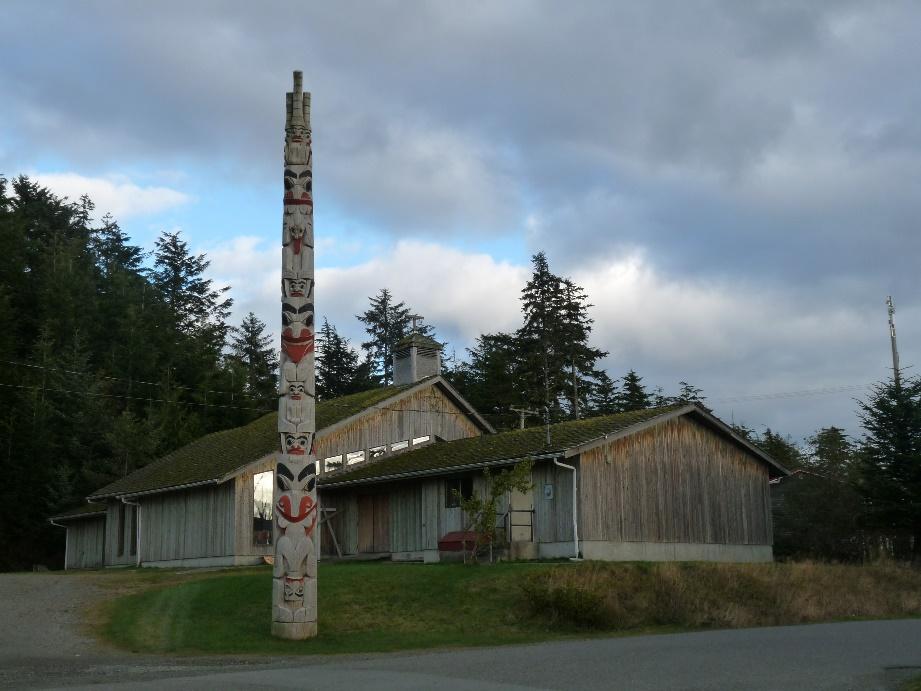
point(434, 472)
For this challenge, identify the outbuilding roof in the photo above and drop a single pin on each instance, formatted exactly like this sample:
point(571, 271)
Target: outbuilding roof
point(219, 455)
point(566, 439)
point(80, 512)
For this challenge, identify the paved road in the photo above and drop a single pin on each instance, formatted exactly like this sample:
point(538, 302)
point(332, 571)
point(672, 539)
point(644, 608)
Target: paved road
point(856, 655)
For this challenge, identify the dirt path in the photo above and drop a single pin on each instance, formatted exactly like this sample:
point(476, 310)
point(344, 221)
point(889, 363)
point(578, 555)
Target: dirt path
point(46, 631)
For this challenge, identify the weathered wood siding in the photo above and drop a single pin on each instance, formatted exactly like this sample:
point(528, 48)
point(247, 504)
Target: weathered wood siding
point(676, 482)
point(120, 529)
point(418, 515)
point(425, 412)
point(190, 524)
point(85, 543)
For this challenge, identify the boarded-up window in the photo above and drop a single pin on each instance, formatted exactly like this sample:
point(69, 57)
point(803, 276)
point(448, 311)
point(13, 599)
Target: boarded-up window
point(262, 507)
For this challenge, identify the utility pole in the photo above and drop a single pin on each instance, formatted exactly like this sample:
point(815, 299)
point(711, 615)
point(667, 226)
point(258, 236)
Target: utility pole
point(895, 349)
point(522, 413)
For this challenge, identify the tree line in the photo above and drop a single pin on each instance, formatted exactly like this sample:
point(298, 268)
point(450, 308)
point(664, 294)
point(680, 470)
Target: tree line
point(109, 357)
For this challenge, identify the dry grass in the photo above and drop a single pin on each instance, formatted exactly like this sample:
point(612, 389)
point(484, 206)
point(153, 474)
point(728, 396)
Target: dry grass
point(698, 595)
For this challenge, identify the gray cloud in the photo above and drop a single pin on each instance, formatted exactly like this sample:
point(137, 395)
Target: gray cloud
point(770, 145)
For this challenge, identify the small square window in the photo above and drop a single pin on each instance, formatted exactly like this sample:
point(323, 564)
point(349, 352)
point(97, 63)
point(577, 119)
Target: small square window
point(457, 489)
point(377, 451)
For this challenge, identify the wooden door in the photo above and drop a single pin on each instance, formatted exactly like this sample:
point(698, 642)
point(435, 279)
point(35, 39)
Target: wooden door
point(365, 523)
point(373, 523)
point(381, 523)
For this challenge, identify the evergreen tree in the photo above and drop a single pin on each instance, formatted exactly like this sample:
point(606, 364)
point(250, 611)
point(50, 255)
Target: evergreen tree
point(890, 462)
point(831, 453)
point(386, 322)
point(196, 306)
point(489, 379)
point(633, 395)
point(253, 348)
point(782, 449)
point(339, 371)
point(687, 393)
point(576, 327)
point(605, 395)
point(543, 373)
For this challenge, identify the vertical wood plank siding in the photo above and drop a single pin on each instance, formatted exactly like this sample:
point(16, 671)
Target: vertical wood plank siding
point(191, 524)
point(418, 515)
point(118, 538)
point(85, 543)
point(677, 482)
point(425, 412)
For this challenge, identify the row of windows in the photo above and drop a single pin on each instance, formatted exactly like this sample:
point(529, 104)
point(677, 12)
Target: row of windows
point(340, 460)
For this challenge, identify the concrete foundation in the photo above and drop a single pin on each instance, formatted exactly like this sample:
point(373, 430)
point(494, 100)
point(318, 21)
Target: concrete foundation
point(253, 560)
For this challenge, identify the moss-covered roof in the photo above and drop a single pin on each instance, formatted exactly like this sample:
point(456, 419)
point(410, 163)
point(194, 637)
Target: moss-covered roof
point(493, 448)
point(83, 511)
point(218, 454)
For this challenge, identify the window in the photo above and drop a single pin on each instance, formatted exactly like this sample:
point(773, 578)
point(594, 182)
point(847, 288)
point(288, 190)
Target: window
point(399, 446)
point(456, 489)
point(354, 457)
point(262, 507)
point(377, 451)
point(332, 463)
point(421, 440)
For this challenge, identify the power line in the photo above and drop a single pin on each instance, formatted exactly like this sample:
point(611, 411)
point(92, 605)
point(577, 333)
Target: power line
point(131, 398)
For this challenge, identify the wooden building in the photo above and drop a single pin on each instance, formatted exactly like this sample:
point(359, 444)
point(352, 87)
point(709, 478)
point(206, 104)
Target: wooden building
point(210, 502)
point(670, 483)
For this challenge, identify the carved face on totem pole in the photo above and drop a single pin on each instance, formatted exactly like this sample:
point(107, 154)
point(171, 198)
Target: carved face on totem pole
point(297, 443)
point(297, 328)
point(297, 287)
point(296, 504)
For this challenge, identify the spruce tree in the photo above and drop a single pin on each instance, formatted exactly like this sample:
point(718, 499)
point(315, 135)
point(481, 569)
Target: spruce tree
point(253, 348)
point(633, 395)
point(339, 371)
point(386, 322)
point(890, 462)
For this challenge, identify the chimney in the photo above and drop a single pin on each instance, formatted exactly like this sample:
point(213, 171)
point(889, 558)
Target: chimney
point(415, 357)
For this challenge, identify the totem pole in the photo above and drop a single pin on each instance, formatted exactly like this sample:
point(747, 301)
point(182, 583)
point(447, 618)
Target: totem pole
point(294, 591)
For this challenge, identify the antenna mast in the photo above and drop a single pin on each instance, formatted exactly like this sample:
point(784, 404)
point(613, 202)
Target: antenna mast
point(895, 349)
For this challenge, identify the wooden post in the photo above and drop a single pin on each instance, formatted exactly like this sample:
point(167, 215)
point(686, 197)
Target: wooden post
point(294, 589)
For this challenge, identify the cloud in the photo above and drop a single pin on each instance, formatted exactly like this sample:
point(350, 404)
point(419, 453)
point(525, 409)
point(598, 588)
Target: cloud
point(735, 340)
point(113, 194)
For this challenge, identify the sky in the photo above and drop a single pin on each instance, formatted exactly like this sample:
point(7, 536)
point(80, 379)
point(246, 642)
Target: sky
point(735, 185)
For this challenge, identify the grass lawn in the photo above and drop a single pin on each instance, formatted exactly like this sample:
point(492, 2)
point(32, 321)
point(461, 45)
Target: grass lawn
point(364, 607)
point(383, 606)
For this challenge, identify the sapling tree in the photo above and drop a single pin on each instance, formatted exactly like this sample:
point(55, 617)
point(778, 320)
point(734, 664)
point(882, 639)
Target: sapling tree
point(480, 509)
